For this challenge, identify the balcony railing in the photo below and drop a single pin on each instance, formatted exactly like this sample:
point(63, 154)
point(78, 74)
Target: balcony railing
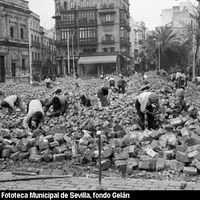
point(88, 41)
point(106, 41)
point(37, 62)
point(14, 40)
point(35, 44)
point(108, 23)
point(99, 53)
point(86, 22)
point(125, 41)
point(64, 42)
point(65, 23)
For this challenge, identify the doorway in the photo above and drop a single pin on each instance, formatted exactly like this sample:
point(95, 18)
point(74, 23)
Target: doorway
point(2, 69)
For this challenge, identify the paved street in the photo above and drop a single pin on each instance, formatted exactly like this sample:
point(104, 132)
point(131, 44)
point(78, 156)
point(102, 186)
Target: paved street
point(11, 182)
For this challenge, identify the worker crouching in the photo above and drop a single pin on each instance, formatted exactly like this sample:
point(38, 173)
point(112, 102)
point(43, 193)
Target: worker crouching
point(144, 106)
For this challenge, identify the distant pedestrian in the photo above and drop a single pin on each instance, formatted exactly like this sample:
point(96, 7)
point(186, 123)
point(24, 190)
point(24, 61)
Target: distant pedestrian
point(11, 101)
point(121, 84)
point(111, 81)
point(104, 94)
point(35, 115)
point(59, 104)
point(144, 106)
point(48, 82)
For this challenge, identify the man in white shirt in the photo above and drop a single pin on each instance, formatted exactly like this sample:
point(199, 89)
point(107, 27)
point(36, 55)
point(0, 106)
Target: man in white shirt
point(144, 106)
point(35, 115)
point(11, 101)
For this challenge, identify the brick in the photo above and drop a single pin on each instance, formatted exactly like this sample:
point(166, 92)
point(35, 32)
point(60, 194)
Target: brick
point(196, 163)
point(107, 152)
point(156, 146)
point(185, 132)
point(121, 156)
point(33, 150)
point(155, 134)
point(182, 157)
point(89, 155)
point(15, 156)
point(58, 157)
point(196, 138)
point(176, 122)
point(160, 164)
point(23, 156)
point(50, 138)
point(38, 133)
point(59, 137)
point(60, 149)
point(147, 165)
point(47, 155)
point(44, 144)
point(194, 154)
point(181, 147)
point(151, 152)
point(189, 122)
point(106, 164)
point(35, 158)
point(54, 144)
point(167, 164)
point(25, 147)
point(5, 133)
point(132, 162)
point(191, 171)
point(172, 140)
point(176, 165)
point(120, 164)
point(168, 154)
point(6, 153)
point(57, 172)
point(132, 150)
point(163, 141)
point(68, 155)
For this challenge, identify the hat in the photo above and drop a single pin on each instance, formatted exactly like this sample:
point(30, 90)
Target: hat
point(154, 97)
point(180, 92)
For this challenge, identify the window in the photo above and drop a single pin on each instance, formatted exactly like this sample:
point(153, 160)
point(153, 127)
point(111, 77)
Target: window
point(71, 4)
point(105, 50)
point(13, 69)
point(31, 37)
point(112, 49)
point(23, 65)
point(11, 32)
point(108, 18)
point(108, 37)
point(65, 5)
point(81, 3)
point(32, 56)
point(87, 3)
point(88, 32)
point(22, 33)
point(122, 32)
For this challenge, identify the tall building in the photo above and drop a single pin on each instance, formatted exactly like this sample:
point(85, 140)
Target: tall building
point(43, 53)
point(178, 17)
point(92, 36)
point(138, 40)
point(14, 40)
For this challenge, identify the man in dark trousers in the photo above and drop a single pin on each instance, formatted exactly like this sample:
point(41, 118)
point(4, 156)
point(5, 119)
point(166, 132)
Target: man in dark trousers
point(35, 115)
point(104, 94)
point(121, 84)
point(59, 103)
point(85, 101)
point(11, 101)
point(144, 106)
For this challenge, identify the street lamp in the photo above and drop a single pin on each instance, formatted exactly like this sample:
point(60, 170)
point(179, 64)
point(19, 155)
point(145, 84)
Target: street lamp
point(73, 50)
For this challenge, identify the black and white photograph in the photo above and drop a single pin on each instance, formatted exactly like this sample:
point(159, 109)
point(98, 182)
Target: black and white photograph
point(99, 99)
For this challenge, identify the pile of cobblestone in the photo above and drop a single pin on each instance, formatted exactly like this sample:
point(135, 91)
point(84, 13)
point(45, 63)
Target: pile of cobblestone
point(174, 146)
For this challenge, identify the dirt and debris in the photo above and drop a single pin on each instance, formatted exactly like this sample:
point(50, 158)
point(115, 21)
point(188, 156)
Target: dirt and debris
point(68, 144)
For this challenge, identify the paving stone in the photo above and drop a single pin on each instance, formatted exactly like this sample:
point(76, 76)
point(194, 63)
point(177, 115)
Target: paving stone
point(196, 163)
point(160, 164)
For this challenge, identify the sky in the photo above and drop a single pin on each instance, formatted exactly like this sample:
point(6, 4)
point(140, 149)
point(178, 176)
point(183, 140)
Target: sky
point(148, 11)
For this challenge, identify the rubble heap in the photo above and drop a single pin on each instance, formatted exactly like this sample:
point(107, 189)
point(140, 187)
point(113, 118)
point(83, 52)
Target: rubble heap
point(175, 146)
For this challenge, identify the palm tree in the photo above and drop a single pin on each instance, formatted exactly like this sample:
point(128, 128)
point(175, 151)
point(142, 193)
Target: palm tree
point(165, 36)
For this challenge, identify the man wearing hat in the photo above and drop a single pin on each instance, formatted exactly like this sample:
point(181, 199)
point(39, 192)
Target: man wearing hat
point(11, 101)
point(111, 81)
point(144, 106)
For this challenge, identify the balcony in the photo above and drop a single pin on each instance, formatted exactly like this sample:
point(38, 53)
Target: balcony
point(64, 42)
point(87, 41)
point(85, 8)
point(14, 41)
point(108, 23)
point(125, 42)
point(35, 44)
point(107, 9)
point(87, 22)
point(37, 62)
point(99, 53)
point(108, 41)
point(65, 24)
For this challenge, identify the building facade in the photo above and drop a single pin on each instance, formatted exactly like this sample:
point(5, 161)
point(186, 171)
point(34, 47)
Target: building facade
point(138, 40)
point(14, 40)
point(92, 36)
point(43, 52)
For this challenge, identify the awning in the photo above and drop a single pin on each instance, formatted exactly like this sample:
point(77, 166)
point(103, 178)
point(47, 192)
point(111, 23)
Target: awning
point(97, 60)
